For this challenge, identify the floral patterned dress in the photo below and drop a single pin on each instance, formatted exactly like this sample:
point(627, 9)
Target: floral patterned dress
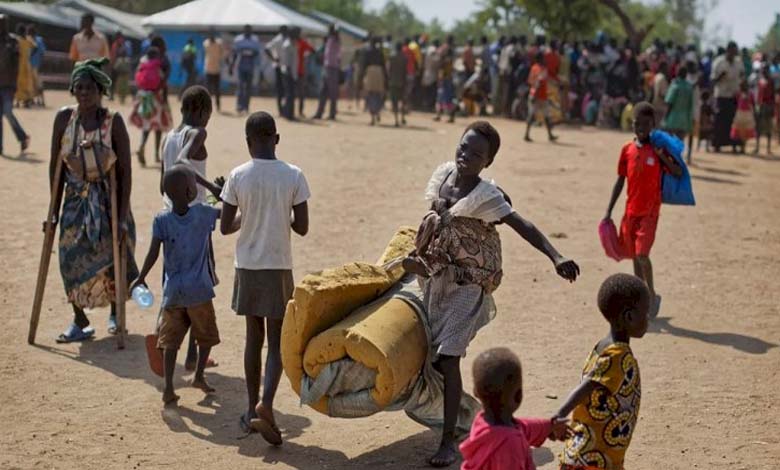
point(461, 251)
point(85, 246)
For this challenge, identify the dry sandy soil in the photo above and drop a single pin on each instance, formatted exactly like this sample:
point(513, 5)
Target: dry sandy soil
point(710, 364)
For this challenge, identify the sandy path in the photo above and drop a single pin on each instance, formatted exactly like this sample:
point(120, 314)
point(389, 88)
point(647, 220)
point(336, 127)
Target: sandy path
point(710, 365)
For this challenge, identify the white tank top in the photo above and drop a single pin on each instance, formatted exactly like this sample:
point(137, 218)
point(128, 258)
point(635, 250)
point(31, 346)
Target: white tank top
point(174, 143)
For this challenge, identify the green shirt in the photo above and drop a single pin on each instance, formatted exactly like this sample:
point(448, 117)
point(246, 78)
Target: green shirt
point(679, 97)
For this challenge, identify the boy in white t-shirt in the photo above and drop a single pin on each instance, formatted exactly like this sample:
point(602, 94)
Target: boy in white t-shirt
point(267, 191)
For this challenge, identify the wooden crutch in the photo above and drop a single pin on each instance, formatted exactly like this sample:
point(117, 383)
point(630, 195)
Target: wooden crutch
point(120, 277)
point(48, 241)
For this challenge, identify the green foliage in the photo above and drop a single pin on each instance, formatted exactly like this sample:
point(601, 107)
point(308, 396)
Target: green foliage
point(394, 18)
point(563, 19)
point(503, 17)
point(350, 11)
point(770, 42)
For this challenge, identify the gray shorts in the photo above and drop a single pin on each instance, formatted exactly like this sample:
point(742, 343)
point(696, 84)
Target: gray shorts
point(538, 105)
point(262, 293)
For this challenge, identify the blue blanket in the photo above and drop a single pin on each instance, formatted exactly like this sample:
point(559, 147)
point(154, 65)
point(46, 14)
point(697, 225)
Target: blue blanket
point(674, 189)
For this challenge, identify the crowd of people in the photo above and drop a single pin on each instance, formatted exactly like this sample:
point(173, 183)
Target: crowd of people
point(726, 98)
point(265, 200)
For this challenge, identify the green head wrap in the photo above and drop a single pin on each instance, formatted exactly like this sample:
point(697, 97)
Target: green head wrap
point(92, 68)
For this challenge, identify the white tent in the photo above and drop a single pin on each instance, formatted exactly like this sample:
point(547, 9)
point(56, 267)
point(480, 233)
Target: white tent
point(231, 15)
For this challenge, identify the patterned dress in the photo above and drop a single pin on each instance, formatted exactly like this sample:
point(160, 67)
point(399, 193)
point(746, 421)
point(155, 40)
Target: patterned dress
point(85, 247)
point(151, 111)
point(603, 426)
point(461, 250)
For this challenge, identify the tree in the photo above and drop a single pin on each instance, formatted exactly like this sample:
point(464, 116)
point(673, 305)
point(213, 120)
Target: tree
point(469, 28)
point(634, 33)
point(770, 42)
point(350, 11)
point(394, 18)
point(563, 19)
point(503, 17)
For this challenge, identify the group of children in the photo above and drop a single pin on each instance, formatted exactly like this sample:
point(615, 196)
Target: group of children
point(271, 196)
point(457, 259)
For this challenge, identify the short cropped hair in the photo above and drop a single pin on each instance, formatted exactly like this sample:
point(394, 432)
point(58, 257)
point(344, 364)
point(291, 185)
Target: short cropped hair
point(195, 99)
point(643, 108)
point(494, 370)
point(486, 130)
point(260, 124)
point(176, 179)
point(621, 292)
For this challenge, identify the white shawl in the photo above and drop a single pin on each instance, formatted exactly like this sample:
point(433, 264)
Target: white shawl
point(485, 202)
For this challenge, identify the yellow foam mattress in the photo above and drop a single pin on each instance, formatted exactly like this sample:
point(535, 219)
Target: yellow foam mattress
point(324, 322)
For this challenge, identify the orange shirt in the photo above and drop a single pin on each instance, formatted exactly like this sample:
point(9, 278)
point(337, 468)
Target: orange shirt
point(537, 79)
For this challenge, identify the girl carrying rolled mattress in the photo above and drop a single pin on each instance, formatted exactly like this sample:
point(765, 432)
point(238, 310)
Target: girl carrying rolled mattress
point(458, 261)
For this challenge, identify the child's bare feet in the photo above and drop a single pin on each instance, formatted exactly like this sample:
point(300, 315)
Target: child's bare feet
point(445, 456)
point(169, 398)
point(200, 383)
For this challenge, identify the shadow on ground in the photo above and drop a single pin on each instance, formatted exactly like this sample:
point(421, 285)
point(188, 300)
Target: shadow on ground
point(744, 343)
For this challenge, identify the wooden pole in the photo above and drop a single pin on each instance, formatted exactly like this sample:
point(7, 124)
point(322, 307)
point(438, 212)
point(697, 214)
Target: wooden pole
point(119, 272)
point(48, 241)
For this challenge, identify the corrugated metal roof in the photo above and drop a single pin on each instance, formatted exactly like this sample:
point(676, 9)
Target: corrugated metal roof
point(349, 28)
point(128, 21)
point(66, 16)
point(232, 15)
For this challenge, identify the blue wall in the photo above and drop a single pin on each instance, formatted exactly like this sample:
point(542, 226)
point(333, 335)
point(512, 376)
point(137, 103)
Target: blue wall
point(175, 42)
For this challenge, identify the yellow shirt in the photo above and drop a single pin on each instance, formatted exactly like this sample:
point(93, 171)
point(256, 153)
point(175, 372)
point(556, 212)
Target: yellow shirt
point(84, 48)
point(213, 55)
point(604, 424)
point(415, 48)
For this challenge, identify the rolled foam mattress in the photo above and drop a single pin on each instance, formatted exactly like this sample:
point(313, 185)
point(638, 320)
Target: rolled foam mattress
point(331, 318)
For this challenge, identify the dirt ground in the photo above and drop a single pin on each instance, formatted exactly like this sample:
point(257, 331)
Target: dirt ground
point(710, 364)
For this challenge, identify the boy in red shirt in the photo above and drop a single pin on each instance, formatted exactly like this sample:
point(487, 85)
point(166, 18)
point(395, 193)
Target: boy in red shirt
point(641, 165)
point(537, 80)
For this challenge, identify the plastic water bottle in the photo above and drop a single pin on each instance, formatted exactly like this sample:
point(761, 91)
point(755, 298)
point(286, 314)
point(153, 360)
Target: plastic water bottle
point(143, 296)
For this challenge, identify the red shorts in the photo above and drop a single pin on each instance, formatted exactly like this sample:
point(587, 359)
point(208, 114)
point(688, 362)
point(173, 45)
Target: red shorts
point(637, 234)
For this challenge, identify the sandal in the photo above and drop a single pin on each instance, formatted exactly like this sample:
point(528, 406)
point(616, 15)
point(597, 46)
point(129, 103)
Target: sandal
point(267, 429)
point(112, 326)
point(245, 425)
point(74, 333)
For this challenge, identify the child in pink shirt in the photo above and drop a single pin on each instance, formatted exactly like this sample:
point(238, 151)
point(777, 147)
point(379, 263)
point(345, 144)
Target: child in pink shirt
point(498, 441)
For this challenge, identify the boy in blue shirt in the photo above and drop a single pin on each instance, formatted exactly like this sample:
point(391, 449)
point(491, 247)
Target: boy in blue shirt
point(188, 285)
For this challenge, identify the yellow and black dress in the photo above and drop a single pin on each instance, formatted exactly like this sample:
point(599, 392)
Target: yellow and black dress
point(603, 425)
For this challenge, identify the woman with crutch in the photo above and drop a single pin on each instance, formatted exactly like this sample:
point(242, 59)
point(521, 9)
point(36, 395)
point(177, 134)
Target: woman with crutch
point(90, 164)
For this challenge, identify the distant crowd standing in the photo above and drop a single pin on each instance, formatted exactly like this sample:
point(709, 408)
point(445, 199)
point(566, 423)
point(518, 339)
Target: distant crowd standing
point(726, 97)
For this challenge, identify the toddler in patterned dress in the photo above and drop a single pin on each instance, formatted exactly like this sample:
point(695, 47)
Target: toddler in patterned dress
point(606, 403)
point(458, 261)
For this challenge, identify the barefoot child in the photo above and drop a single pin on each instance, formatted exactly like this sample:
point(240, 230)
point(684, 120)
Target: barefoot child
point(267, 191)
point(641, 165)
point(537, 80)
point(458, 259)
point(187, 283)
point(186, 144)
point(498, 440)
point(606, 403)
